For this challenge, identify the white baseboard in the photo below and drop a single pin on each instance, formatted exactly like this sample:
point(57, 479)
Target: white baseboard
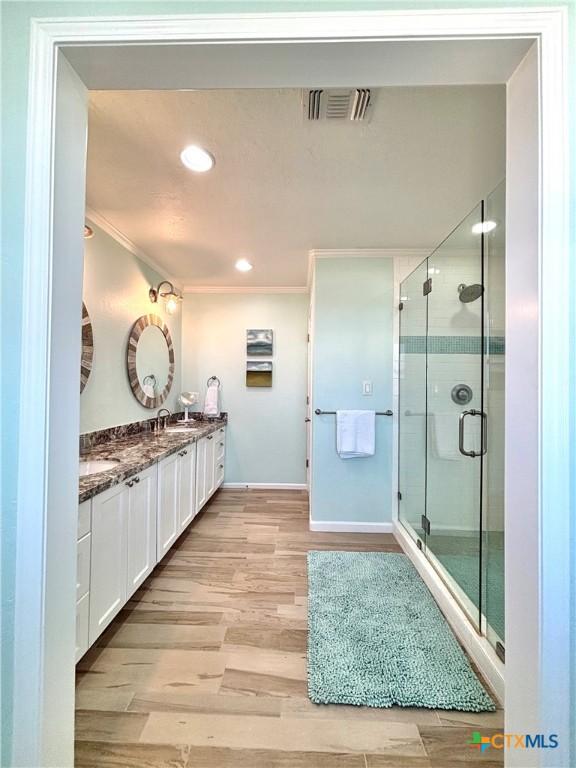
point(338, 526)
point(267, 486)
point(476, 645)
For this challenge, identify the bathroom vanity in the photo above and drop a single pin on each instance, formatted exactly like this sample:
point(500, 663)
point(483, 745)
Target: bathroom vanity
point(132, 512)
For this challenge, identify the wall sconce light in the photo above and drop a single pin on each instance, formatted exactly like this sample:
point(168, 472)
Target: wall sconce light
point(88, 232)
point(170, 296)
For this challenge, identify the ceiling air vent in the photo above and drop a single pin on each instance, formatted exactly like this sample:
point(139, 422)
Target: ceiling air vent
point(337, 104)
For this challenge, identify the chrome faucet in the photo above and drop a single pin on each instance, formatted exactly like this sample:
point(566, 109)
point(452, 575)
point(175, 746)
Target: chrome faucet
point(161, 418)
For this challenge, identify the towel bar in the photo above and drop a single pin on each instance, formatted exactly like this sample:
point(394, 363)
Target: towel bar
point(318, 412)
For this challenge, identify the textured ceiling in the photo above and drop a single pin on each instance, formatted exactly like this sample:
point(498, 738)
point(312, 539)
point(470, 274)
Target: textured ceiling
point(283, 186)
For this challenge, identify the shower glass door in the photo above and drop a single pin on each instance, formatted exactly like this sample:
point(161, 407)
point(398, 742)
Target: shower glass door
point(452, 409)
point(455, 408)
point(412, 403)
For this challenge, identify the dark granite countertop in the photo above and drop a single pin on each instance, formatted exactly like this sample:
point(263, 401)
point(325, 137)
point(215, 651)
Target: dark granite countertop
point(137, 452)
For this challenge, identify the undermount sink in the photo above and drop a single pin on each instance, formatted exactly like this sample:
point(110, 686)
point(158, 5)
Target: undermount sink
point(192, 430)
point(87, 468)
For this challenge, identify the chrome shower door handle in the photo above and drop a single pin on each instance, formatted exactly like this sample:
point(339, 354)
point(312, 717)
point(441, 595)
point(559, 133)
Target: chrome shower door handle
point(461, 424)
point(484, 431)
point(484, 448)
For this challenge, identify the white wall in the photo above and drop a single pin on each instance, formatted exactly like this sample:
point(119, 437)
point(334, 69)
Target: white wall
point(266, 441)
point(115, 292)
point(352, 342)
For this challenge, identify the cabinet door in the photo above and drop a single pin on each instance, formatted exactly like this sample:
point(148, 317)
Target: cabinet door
point(108, 557)
point(187, 486)
point(210, 454)
point(82, 614)
point(83, 566)
point(141, 528)
point(168, 503)
point(200, 474)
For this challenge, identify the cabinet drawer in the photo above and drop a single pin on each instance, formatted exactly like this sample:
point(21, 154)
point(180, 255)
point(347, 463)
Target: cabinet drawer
point(83, 567)
point(219, 473)
point(82, 616)
point(84, 518)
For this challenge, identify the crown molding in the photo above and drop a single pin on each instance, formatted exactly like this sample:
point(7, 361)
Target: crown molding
point(244, 289)
point(364, 253)
point(125, 242)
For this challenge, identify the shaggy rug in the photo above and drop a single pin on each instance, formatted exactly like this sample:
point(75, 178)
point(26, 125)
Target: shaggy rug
point(377, 637)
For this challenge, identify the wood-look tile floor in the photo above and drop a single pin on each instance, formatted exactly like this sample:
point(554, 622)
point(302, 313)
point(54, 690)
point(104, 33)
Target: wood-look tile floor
point(206, 665)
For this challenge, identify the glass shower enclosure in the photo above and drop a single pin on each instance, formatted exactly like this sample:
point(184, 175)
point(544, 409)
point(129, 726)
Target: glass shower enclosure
point(451, 412)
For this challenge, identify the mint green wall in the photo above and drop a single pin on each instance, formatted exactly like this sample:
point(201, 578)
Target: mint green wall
point(266, 438)
point(15, 21)
point(352, 343)
point(116, 287)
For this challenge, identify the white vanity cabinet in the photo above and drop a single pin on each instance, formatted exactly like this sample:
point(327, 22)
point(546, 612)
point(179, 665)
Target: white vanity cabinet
point(187, 470)
point(124, 531)
point(141, 525)
point(168, 503)
point(210, 460)
point(108, 567)
point(201, 496)
point(176, 496)
point(219, 456)
point(210, 465)
point(83, 578)
point(123, 546)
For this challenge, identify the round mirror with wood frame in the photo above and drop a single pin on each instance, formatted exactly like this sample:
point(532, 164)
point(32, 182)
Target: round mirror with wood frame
point(143, 385)
point(87, 348)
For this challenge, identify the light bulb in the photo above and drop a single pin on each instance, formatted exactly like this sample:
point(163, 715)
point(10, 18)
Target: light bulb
point(482, 227)
point(197, 159)
point(171, 305)
point(243, 265)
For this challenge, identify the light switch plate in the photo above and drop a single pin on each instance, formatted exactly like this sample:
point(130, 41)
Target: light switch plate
point(366, 387)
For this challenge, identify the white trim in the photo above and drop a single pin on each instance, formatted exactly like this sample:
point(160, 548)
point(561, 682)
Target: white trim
point(314, 26)
point(556, 356)
point(340, 526)
point(265, 486)
point(476, 646)
point(244, 289)
point(38, 459)
point(125, 242)
point(34, 454)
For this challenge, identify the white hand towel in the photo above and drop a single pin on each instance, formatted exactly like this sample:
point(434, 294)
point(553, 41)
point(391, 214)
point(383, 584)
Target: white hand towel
point(148, 390)
point(211, 401)
point(355, 434)
point(444, 435)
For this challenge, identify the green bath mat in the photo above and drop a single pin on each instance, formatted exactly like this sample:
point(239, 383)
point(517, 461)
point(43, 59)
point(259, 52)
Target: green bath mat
point(378, 639)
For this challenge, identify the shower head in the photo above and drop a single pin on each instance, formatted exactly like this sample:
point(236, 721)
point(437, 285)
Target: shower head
point(470, 293)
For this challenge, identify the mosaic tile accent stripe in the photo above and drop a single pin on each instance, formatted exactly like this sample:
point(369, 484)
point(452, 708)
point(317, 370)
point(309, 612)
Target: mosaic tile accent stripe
point(452, 345)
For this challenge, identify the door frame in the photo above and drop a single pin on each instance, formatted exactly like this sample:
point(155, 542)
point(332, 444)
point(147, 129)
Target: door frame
point(37, 689)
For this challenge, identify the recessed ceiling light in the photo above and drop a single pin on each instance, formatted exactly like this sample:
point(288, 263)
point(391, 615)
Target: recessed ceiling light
point(243, 265)
point(482, 227)
point(197, 159)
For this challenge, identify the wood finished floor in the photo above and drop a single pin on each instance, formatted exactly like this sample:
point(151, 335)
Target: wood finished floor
point(206, 666)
